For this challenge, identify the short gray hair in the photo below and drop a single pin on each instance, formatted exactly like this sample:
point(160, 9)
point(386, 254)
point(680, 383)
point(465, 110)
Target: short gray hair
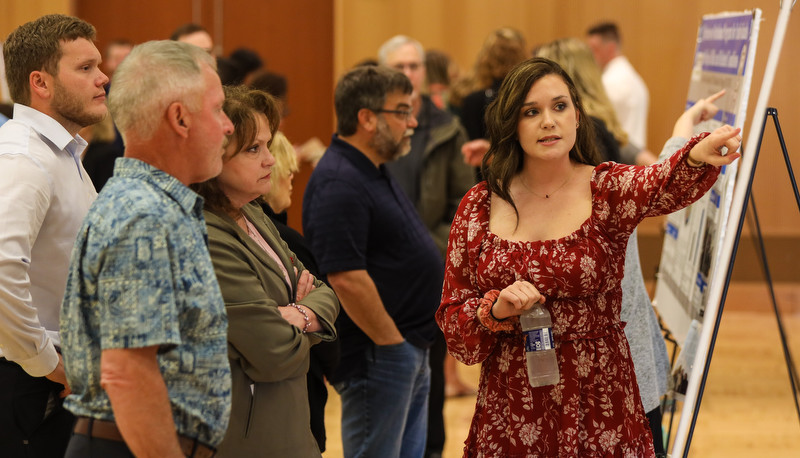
point(154, 75)
point(394, 43)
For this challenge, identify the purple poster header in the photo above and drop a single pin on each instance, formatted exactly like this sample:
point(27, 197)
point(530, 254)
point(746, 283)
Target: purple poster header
point(723, 43)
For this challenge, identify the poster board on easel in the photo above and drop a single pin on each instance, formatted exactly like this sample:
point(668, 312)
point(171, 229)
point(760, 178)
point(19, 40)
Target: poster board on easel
point(717, 286)
point(724, 58)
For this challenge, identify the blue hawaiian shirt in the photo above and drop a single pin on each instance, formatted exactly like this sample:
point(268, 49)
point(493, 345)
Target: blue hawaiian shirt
point(140, 276)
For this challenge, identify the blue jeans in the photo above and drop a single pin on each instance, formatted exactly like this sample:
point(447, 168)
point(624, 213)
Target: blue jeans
point(385, 412)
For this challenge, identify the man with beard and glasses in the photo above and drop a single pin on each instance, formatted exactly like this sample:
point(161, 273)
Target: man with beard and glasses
point(54, 78)
point(382, 263)
point(435, 177)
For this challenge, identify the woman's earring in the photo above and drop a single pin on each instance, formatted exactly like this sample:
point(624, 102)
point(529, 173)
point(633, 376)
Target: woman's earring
point(577, 124)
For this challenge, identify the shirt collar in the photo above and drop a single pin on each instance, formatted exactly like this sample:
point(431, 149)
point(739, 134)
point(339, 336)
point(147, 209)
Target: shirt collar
point(189, 200)
point(50, 129)
point(357, 158)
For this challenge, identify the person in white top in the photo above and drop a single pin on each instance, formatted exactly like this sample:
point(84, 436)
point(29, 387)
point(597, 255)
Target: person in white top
point(52, 68)
point(625, 88)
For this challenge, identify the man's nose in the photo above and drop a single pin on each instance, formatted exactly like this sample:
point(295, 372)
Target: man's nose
point(411, 122)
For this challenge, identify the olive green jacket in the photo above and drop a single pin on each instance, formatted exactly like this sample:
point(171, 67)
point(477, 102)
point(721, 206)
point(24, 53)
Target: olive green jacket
point(445, 179)
point(269, 357)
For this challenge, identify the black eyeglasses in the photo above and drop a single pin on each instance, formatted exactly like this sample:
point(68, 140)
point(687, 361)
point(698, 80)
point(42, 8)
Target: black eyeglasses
point(401, 114)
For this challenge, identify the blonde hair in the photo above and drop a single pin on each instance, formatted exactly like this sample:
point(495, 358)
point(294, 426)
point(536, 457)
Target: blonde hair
point(103, 131)
point(575, 57)
point(285, 156)
point(285, 161)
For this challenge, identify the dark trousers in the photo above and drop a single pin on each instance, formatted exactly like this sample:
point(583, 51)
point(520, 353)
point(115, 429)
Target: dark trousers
point(81, 446)
point(317, 398)
point(436, 432)
point(654, 418)
point(33, 423)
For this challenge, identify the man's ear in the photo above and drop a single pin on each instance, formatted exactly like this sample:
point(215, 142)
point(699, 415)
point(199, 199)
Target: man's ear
point(41, 84)
point(367, 119)
point(179, 118)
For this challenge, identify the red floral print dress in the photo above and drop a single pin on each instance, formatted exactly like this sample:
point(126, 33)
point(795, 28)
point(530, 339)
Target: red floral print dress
point(595, 410)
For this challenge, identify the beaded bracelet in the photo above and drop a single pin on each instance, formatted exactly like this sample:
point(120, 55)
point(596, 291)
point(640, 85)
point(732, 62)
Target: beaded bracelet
point(305, 316)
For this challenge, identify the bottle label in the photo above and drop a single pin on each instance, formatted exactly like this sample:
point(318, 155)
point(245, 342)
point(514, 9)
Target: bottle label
point(539, 339)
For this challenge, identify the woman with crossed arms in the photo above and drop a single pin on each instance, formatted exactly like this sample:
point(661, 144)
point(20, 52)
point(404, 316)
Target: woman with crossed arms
point(276, 309)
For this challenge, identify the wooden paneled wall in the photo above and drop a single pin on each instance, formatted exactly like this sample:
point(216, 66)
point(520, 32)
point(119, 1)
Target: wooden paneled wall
point(16, 12)
point(294, 38)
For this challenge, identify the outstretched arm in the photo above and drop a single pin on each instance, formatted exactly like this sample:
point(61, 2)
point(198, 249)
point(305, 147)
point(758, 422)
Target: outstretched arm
point(702, 110)
point(709, 150)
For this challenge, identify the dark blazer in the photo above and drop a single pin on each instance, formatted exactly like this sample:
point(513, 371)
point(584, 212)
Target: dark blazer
point(269, 357)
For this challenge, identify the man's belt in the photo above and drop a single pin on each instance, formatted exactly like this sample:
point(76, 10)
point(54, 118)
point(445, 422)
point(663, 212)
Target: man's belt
point(108, 430)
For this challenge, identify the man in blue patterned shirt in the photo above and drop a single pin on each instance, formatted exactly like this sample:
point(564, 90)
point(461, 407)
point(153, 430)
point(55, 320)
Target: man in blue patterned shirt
point(143, 319)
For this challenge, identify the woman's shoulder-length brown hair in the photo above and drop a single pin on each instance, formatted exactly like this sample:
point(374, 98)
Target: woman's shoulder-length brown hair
point(242, 105)
point(505, 155)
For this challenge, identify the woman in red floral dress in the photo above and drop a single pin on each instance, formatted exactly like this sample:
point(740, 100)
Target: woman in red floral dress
point(551, 226)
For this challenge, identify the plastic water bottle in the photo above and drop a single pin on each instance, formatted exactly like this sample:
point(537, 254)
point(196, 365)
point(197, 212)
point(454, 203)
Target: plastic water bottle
point(540, 353)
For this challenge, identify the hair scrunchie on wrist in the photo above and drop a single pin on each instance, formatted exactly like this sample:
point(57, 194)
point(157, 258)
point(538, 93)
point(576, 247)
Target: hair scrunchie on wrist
point(487, 318)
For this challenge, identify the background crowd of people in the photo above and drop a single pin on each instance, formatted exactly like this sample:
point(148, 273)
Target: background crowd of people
point(196, 321)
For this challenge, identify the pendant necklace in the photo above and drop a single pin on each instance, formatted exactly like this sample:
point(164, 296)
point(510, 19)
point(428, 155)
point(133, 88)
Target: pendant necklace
point(546, 196)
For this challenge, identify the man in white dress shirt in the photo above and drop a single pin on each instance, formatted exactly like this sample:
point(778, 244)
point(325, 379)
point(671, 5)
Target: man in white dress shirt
point(625, 88)
point(54, 78)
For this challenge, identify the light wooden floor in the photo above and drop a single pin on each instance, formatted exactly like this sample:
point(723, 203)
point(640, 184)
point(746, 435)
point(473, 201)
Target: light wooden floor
point(747, 409)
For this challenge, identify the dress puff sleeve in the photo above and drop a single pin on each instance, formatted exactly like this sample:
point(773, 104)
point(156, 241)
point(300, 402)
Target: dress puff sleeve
point(470, 337)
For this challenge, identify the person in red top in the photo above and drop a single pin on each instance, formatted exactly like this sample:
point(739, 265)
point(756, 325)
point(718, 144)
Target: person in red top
point(549, 225)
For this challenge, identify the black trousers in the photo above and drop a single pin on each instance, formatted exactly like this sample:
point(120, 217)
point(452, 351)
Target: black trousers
point(654, 418)
point(33, 423)
point(92, 447)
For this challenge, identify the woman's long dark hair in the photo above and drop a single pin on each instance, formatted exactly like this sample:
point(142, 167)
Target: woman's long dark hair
point(505, 155)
